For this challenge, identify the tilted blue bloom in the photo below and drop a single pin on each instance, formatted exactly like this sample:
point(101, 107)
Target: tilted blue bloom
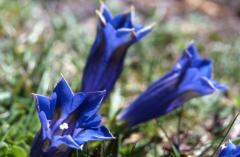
point(230, 150)
point(190, 77)
point(115, 34)
point(68, 120)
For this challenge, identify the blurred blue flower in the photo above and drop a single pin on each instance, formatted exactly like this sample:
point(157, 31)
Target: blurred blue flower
point(190, 77)
point(68, 120)
point(230, 150)
point(105, 61)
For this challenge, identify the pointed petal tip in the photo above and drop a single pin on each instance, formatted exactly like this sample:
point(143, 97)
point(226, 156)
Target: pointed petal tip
point(132, 8)
point(191, 44)
point(34, 95)
point(223, 88)
point(219, 86)
point(142, 32)
point(105, 12)
point(102, 5)
point(81, 147)
point(132, 14)
point(61, 75)
point(100, 17)
point(192, 50)
point(102, 92)
point(148, 28)
point(152, 25)
point(109, 135)
point(37, 95)
point(62, 79)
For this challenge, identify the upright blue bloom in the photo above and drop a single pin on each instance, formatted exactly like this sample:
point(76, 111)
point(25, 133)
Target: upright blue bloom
point(68, 120)
point(115, 34)
point(190, 77)
point(230, 150)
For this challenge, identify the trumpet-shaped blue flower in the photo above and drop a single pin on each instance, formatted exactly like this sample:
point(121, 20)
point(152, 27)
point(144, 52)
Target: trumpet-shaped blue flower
point(190, 77)
point(230, 150)
point(115, 34)
point(68, 120)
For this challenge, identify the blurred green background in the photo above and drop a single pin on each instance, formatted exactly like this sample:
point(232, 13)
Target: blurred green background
point(40, 40)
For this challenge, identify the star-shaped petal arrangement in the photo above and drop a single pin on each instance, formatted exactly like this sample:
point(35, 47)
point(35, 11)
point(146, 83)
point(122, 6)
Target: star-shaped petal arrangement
point(115, 34)
point(191, 77)
point(68, 120)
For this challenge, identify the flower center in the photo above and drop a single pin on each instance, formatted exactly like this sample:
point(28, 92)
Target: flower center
point(63, 126)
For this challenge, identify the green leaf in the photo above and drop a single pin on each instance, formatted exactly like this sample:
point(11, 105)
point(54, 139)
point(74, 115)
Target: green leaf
point(17, 151)
point(238, 100)
point(175, 151)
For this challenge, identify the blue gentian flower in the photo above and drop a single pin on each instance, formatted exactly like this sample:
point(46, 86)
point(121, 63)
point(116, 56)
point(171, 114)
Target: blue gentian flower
point(190, 77)
point(68, 120)
point(115, 34)
point(229, 150)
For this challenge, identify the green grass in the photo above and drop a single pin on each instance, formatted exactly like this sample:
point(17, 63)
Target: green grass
point(38, 44)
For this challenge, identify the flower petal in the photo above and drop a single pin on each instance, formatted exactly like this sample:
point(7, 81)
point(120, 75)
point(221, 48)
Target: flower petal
point(90, 122)
point(76, 102)
point(220, 86)
point(106, 13)
point(205, 67)
point(190, 57)
point(153, 102)
point(66, 140)
point(194, 81)
point(114, 36)
point(64, 96)
point(124, 20)
point(89, 108)
point(43, 104)
point(190, 77)
point(141, 33)
point(101, 133)
point(46, 133)
point(193, 51)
